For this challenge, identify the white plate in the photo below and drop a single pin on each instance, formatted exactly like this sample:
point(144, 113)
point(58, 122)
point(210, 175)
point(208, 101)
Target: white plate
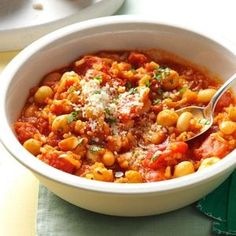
point(21, 23)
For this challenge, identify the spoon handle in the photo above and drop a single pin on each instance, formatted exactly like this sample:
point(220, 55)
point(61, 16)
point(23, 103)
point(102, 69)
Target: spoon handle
point(212, 104)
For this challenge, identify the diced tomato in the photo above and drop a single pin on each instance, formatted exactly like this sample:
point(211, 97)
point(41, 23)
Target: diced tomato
point(212, 146)
point(151, 161)
point(34, 124)
point(60, 163)
point(162, 156)
point(181, 147)
point(64, 165)
point(53, 139)
point(137, 59)
point(24, 131)
point(224, 101)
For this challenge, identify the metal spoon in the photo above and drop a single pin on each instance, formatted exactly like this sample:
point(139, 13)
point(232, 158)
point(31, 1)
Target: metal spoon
point(207, 113)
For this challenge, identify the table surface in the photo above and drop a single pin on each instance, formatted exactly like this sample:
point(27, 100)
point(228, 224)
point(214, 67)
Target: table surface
point(19, 188)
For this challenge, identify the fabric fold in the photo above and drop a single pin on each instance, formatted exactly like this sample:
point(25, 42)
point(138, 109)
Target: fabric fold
point(220, 205)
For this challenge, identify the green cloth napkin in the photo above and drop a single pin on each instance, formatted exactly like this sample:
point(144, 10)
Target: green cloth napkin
point(221, 206)
point(57, 217)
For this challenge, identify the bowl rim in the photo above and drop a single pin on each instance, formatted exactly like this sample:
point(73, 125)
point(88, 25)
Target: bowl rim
point(12, 145)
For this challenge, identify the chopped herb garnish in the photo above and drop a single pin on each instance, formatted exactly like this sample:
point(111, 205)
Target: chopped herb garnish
point(157, 101)
point(107, 111)
point(204, 122)
point(128, 85)
point(157, 77)
point(148, 83)
point(115, 100)
point(156, 155)
point(80, 141)
point(70, 119)
point(182, 90)
point(71, 89)
point(159, 91)
point(72, 116)
point(164, 69)
point(161, 73)
point(97, 92)
point(98, 78)
point(95, 148)
point(111, 120)
point(133, 91)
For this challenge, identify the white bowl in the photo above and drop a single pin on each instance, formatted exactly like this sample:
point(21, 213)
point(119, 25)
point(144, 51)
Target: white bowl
point(63, 46)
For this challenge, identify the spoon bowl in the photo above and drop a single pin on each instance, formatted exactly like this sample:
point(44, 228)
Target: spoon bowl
point(205, 115)
point(200, 114)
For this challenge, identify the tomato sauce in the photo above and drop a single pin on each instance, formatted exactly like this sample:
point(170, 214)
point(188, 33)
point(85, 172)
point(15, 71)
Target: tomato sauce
point(110, 116)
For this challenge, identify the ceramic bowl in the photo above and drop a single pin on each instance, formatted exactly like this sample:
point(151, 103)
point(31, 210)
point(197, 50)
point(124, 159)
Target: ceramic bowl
point(112, 33)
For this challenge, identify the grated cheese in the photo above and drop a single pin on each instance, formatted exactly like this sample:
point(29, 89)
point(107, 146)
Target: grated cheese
point(96, 97)
point(127, 101)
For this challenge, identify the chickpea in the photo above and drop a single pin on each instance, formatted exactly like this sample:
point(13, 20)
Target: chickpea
point(205, 95)
point(227, 127)
point(155, 137)
point(123, 159)
point(190, 96)
point(108, 158)
point(170, 81)
point(151, 66)
point(121, 89)
point(145, 80)
point(68, 143)
point(183, 121)
point(103, 174)
point(89, 176)
point(67, 77)
point(168, 172)
point(94, 155)
point(42, 93)
point(33, 146)
point(61, 124)
point(183, 168)
point(90, 114)
point(133, 176)
point(232, 113)
point(167, 118)
point(80, 127)
point(208, 162)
